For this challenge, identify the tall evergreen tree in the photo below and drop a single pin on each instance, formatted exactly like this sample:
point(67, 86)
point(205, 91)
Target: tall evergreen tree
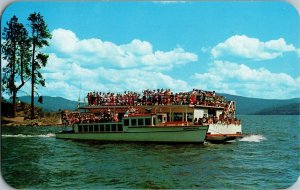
point(39, 39)
point(16, 51)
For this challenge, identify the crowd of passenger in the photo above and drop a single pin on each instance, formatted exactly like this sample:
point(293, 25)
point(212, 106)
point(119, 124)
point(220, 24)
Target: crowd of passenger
point(77, 117)
point(156, 97)
point(222, 119)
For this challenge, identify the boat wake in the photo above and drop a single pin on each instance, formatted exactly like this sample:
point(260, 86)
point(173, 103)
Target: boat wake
point(253, 138)
point(49, 135)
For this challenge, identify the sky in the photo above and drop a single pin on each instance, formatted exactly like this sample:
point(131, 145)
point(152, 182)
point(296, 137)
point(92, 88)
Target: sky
point(249, 49)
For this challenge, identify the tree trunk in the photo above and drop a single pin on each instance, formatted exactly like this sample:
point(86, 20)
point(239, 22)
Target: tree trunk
point(13, 82)
point(14, 103)
point(32, 82)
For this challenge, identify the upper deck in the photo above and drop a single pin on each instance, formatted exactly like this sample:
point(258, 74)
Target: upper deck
point(146, 109)
point(182, 106)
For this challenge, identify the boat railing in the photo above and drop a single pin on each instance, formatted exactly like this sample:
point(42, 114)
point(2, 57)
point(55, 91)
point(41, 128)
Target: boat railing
point(175, 123)
point(213, 103)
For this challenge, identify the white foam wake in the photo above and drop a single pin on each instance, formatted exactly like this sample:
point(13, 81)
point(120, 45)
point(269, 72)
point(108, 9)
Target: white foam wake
point(28, 136)
point(253, 138)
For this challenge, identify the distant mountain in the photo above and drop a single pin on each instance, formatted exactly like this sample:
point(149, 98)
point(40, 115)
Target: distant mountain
point(246, 105)
point(52, 103)
point(290, 109)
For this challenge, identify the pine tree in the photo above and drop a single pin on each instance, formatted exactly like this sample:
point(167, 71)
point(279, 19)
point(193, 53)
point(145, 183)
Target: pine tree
point(39, 37)
point(16, 51)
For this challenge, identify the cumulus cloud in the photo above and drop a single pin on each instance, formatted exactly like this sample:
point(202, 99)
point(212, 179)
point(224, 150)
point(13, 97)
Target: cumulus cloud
point(64, 40)
point(240, 79)
point(252, 48)
point(136, 54)
point(67, 78)
point(77, 66)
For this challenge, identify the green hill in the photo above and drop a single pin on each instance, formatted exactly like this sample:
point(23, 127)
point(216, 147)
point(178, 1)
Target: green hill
point(51, 103)
point(255, 105)
point(290, 109)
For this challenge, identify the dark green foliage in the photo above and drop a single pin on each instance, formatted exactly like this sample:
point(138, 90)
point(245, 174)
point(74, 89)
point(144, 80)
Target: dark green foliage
point(23, 57)
point(39, 39)
point(16, 51)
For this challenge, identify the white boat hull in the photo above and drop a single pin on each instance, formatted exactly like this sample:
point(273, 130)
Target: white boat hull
point(223, 132)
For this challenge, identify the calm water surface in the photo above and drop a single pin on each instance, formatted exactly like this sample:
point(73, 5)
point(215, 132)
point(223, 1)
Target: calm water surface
point(32, 158)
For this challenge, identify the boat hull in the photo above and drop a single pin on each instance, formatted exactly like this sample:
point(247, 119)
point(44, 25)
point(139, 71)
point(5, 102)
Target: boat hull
point(145, 134)
point(223, 132)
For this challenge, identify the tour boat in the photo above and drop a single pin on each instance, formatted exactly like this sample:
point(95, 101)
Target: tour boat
point(138, 128)
point(187, 117)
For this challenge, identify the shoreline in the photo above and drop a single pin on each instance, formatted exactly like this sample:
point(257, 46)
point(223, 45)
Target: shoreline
point(40, 122)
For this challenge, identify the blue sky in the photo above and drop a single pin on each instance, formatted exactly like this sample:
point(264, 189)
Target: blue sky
point(243, 48)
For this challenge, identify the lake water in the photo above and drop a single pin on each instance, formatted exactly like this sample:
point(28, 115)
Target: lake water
point(32, 158)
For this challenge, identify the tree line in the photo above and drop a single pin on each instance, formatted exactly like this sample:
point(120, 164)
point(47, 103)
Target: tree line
point(22, 50)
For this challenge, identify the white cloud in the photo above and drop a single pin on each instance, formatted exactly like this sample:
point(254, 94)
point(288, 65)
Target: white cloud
point(252, 48)
point(65, 40)
point(161, 59)
point(64, 78)
point(136, 54)
point(138, 47)
point(82, 65)
point(222, 76)
point(240, 79)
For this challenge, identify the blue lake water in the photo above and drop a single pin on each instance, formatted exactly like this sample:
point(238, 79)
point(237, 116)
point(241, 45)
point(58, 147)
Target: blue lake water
point(32, 158)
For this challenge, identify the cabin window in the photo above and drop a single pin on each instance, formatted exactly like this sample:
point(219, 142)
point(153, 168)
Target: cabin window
point(101, 127)
point(96, 128)
point(107, 127)
point(177, 117)
point(168, 117)
point(113, 127)
point(79, 128)
point(133, 122)
point(120, 127)
point(126, 122)
point(141, 121)
point(190, 117)
point(90, 128)
point(85, 128)
point(154, 121)
point(159, 118)
point(147, 121)
point(211, 113)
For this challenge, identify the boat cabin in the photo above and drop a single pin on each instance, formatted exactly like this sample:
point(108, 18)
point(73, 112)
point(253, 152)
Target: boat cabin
point(136, 120)
point(132, 120)
point(98, 127)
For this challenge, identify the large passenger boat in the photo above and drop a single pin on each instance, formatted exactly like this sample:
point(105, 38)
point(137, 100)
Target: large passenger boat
point(155, 116)
point(138, 128)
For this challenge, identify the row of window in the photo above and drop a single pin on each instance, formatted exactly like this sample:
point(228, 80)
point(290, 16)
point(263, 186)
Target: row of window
point(137, 122)
point(113, 127)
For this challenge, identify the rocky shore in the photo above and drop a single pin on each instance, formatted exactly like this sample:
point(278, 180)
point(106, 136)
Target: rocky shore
point(23, 110)
point(54, 120)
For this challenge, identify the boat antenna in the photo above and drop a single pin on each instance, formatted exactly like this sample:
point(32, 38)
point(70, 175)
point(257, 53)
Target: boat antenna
point(79, 95)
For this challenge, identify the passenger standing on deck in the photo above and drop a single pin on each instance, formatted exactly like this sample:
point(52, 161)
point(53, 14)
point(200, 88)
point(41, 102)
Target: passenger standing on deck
point(204, 120)
point(89, 98)
point(195, 121)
